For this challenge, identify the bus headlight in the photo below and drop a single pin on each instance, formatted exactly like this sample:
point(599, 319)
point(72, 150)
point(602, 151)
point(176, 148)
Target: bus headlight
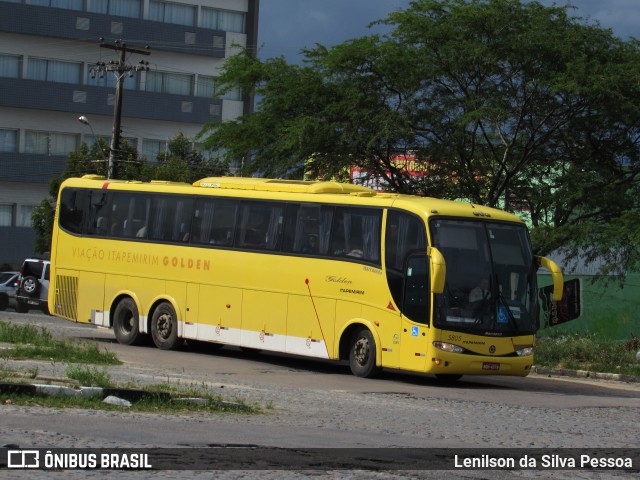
point(448, 347)
point(522, 351)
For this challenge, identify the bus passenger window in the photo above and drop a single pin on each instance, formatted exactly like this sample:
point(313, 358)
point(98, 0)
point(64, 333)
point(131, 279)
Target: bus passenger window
point(98, 213)
point(73, 206)
point(101, 226)
point(356, 234)
point(261, 226)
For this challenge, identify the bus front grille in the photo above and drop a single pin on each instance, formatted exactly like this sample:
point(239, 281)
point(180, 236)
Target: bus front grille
point(66, 298)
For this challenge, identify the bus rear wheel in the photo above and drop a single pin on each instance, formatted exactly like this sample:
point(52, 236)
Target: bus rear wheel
point(126, 325)
point(362, 354)
point(164, 327)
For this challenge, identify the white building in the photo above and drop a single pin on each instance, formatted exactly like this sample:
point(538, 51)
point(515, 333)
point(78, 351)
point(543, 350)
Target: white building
point(47, 51)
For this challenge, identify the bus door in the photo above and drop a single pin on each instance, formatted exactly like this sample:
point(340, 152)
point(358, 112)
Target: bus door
point(414, 331)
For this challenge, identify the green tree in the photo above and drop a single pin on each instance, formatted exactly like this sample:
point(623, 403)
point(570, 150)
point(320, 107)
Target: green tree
point(94, 160)
point(512, 104)
point(183, 163)
point(42, 218)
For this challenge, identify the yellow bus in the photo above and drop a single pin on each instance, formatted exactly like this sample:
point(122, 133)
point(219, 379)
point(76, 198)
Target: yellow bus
point(319, 269)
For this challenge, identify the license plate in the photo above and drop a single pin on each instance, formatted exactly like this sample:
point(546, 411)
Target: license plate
point(32, 302)
point(490, 366)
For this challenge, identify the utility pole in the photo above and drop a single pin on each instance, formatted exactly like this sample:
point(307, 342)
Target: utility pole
point(120, 69)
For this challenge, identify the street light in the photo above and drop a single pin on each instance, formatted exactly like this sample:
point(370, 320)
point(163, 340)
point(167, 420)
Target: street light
point(85, 121)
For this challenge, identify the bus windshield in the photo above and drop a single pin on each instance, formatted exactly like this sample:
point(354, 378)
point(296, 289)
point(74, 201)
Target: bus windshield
point(490, 281)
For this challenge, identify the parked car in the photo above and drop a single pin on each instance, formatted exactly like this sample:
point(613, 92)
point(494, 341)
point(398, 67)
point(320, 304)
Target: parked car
point(33, 285)
point(8, 289)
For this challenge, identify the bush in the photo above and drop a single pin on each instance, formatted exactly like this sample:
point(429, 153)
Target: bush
point(587, 352)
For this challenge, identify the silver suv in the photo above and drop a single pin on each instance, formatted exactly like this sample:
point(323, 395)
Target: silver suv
point(33, 285)
point(8, 289)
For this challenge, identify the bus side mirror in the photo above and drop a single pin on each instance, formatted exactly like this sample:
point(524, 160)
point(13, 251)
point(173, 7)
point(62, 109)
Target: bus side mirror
point(438, 270)
point(556, 275)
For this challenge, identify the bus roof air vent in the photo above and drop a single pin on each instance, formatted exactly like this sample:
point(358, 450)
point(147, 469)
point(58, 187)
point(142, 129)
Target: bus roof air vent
point(167, 182)
point(276, 185)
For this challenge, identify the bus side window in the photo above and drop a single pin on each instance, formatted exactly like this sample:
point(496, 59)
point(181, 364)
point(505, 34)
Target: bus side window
point(356, 234)
point(214, 222)
point(261, 226)
point(306, 229)
point(99, 213)
point(73, 209)
point(225, 223)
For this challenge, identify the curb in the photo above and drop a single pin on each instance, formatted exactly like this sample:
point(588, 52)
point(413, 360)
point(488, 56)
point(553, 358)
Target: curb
point(130, 395)
point(565, 372)
point(114, 396)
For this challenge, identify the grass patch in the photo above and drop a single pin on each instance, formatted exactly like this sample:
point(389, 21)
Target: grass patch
point(151, 404)
point(89, 376)
point(31, 342)
point(588, 352)
point(38, 344)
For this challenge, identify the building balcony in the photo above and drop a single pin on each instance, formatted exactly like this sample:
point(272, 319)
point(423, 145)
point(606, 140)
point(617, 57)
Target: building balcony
point(87, 26)
point(63, 97)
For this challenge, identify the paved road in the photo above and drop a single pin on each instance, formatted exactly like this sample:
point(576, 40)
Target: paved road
point(318, 404)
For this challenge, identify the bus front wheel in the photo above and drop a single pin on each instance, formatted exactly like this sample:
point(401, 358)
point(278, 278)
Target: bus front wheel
point(362, 354)
point(126, 323)
point(164, 327)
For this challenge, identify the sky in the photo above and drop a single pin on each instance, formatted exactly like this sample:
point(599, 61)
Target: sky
point(288, 26)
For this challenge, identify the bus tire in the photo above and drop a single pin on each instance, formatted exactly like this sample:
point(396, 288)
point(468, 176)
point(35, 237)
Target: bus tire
point(164, 327)
point(362, 354)
point(126, 322)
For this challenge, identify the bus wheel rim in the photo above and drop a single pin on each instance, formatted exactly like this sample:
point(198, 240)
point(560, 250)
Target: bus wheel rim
point(164, 326)
point(361, 350)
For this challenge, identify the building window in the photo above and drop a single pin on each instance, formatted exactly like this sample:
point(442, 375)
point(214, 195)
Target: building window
point(224, 20)
point(204, 86)
point(53, 71)
point(8, 140)
point(151, 148)
point(121, 8)
point(163, 82)
point(24, 216)
point(9, 66)
point(6, 215)
point(48, 143)
point(67, 4)
point(233, 94)
point(166, 12)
